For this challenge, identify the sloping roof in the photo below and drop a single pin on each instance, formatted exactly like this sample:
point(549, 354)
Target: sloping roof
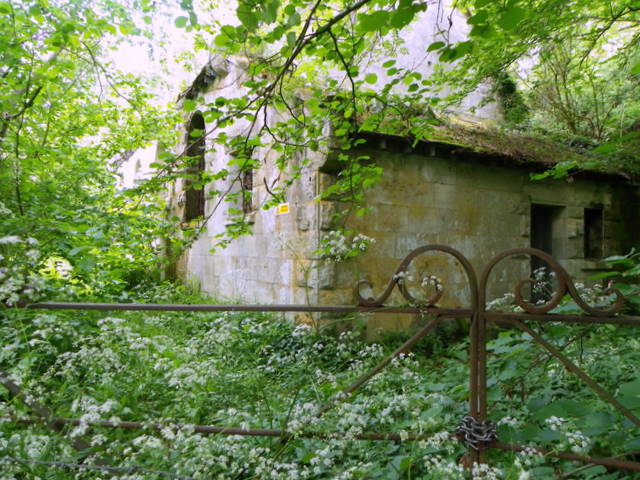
point(494, 146)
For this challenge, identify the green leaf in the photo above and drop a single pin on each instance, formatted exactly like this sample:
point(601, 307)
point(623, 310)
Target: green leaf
point(598, 423)
point(189, 105)
point(291, 39)
point(403, 16)
point(510, 19)
point(633, 444)
point(435, 46)
point(542, 472)
point(247, 17)
point(480, 17)
point(270, 11)
point(632, 272)
point(458, 51)
point(371, 78)
point(635, 70)
point(294, 19)
point(630, 394)
point(401, 462)
point(371, 22)
point(388, 63)
point(74, 251)
point(482, 31)
point(226, 37)
point(181, 22)
point(549, 435)
point(563, 408)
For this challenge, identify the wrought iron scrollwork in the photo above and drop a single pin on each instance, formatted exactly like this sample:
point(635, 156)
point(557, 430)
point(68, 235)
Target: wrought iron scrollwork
point(398, 280)
point(565, 285)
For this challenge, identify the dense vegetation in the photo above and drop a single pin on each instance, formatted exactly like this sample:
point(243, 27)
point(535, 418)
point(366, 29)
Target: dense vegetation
point(258, 371)
point(67, 231)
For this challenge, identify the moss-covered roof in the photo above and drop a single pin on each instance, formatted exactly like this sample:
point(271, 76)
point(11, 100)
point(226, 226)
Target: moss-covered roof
point(476, 142)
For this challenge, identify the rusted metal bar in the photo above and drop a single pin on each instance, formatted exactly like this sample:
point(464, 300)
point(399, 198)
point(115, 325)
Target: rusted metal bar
point(582, 468)
point(569, 365)
point(550, 317)
point(607, 462)
point(216, 430)
point(474, 384)
point(406, 346)
point(460, 312)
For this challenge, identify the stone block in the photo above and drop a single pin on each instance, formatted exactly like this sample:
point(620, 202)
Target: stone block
point(388, 218)
point(325, 180)
point(304, 217)
point(444, 194)
point(326, 276)
point(550, 192)
point(327, 210)
point(575, 228)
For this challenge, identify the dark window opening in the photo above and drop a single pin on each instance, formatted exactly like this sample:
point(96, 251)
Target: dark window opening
point(194, 201)
point(546, 235)
point(247, 190)
point(593, 233)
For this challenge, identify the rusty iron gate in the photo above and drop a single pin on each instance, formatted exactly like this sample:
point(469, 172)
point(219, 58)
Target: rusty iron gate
point(475, 429)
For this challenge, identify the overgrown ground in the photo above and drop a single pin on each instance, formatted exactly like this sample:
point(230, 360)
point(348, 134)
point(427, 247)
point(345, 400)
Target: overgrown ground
point(260, 371)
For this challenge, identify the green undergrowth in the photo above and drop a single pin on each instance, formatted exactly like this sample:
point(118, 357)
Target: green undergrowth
point(249, 370)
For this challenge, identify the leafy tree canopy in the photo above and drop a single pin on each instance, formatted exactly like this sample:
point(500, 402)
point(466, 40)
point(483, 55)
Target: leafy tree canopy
point(68, 119)
point(565, 71)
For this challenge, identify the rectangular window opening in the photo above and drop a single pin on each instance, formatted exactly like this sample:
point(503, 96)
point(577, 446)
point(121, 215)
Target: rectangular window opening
point(593, 233)
point(547, 234)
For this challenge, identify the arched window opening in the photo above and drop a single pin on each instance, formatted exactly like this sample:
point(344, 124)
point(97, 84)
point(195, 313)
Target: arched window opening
point(194, 192)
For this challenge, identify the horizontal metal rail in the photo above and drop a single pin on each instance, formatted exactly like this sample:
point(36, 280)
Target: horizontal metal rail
point(173, 307)
point(607, 462)
point(409, 310)
point(216, 430)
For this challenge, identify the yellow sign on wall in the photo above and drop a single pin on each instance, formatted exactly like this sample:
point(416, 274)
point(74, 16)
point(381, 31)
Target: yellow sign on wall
point(282, 209)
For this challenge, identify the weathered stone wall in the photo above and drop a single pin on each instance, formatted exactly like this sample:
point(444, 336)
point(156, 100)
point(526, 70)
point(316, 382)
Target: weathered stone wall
point(273, 264)
point(477, 209)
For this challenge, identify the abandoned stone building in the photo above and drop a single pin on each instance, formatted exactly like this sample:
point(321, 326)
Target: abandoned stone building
point(480, 203)
point(469, 194)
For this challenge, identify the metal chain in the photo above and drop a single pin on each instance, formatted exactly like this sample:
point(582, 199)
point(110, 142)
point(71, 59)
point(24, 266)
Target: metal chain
point(475, 432)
